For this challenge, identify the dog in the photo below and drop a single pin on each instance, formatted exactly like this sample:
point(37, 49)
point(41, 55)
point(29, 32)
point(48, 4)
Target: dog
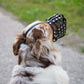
point(38, 59)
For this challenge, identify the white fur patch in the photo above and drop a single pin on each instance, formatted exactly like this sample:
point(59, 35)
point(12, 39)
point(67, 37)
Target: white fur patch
point(50, 75)
point(18, 70)
point(23, 47)
point(24, 51)
point(54, 55)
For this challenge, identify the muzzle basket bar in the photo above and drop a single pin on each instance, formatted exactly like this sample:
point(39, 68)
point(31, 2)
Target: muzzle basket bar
point(60, 23)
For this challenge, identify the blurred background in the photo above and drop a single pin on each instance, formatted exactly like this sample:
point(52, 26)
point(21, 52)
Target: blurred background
point(31, 10)
point(28, 11)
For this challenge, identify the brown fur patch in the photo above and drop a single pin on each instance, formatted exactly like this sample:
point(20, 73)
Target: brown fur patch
point(37, 34)
point(16, 45)
point(50, 36)
point(54, 26)
point(45, 24)
point(19, 60)
point(45, 62)
point(29, 41)
point(36, 50)
point(26, 74)
point(38, 43)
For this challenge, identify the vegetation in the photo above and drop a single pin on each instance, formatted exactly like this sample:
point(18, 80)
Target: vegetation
point(82, 49)
point(31, 10)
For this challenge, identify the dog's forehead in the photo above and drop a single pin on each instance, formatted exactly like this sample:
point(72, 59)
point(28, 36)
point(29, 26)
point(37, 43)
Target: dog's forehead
point(43, 28)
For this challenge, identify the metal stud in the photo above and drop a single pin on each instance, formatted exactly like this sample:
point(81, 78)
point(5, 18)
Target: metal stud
point(56, 15)
point(54, 39)
point(54, 32)
point(56, 18)
point(55, 35)
point(61, 27)
point(50, 23)
point(59, 17)
point(53, 20)
point(58, 28)
point(64, 25)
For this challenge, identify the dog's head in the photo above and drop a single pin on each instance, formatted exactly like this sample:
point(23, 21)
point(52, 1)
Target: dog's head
point(53, 29)
point(34, 36)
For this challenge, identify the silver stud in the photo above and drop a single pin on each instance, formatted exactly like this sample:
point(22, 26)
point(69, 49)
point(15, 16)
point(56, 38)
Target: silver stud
point(63, 24)
point(59, 29)
point(50, 23)
point(55, 35)
point(53, 20)
point(54, 40)
point(47, 21)
point(56, 18)
point(54, 32)
point(56, 15)
point(59, 17)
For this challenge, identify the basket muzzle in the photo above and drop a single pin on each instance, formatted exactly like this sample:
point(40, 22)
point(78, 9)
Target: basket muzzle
point(60, 23)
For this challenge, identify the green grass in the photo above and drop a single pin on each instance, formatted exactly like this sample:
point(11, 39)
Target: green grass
point(82, 49)
point(31, 10)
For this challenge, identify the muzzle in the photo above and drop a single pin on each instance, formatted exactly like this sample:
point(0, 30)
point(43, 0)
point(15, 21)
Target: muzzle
point(60, 23)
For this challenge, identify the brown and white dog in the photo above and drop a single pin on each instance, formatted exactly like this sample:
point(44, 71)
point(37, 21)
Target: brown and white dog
point(37, 58)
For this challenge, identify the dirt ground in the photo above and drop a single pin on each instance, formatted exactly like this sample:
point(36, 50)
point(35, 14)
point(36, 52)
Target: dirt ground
point(72, 58)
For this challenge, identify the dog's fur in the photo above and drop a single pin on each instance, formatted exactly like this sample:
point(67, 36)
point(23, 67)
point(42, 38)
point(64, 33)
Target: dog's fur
point(37, 58)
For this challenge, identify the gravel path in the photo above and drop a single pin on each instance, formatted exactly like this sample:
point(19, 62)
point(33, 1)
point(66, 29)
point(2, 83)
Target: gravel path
point(73, 62)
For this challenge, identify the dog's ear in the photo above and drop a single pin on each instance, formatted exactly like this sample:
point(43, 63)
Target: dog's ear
point(16, 45)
